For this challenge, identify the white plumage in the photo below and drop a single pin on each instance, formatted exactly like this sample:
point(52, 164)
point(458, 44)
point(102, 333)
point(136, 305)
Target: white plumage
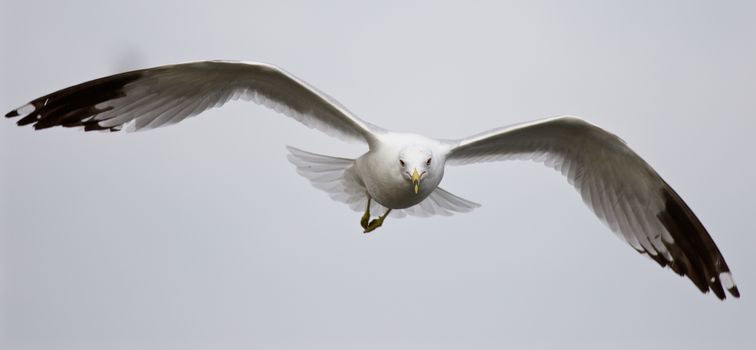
point(400, 172)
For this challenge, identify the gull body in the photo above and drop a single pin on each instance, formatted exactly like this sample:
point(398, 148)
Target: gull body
point(401, 172)
point(386, 180)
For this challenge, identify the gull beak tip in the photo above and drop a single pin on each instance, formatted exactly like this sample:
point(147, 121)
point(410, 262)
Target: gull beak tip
point(416, 180)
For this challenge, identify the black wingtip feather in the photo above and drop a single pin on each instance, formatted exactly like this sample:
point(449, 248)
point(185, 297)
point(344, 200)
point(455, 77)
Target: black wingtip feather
point(694, 252)
point(29, 119)
point(75, 106)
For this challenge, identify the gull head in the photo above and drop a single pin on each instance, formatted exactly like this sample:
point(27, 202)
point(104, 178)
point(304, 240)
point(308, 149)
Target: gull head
point(415, 163)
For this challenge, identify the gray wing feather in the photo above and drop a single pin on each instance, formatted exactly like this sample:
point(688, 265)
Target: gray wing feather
point(618, 185)
point(160, 96)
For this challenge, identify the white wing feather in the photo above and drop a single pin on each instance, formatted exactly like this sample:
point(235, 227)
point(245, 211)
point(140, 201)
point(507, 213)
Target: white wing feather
point(337, 177)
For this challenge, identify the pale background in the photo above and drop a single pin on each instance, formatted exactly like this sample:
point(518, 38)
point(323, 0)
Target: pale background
point(201, 235)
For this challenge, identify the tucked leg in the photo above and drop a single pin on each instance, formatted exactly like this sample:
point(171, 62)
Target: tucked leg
point(377, 222)
point(366, 217)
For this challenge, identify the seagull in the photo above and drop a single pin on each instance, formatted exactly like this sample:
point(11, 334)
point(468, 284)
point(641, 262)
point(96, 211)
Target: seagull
point(401, 172)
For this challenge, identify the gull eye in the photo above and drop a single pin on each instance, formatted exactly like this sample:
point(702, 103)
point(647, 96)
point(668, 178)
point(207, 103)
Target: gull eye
point(401, 162)
point(428, 161)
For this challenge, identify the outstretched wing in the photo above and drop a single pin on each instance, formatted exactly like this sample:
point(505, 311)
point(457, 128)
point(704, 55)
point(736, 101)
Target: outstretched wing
point(620, 187)
point(165, 95)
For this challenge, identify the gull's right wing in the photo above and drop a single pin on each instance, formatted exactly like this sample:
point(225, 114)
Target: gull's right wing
point(620, 187)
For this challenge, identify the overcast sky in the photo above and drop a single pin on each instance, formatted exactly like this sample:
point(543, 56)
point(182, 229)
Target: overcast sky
point(202, 236)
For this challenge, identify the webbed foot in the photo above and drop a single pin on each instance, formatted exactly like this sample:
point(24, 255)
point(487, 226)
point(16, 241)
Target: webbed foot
point(376, 223)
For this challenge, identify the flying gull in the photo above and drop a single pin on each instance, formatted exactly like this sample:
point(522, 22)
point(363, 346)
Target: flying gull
point(400, 173)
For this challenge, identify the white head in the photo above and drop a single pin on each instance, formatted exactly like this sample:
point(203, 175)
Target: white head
point(416, 163)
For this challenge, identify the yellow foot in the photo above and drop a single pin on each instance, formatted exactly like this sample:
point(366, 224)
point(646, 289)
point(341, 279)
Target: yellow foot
point(370, 225)
point(374, 224)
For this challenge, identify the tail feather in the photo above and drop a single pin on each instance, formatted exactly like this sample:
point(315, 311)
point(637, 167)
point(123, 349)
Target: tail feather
point(337, 177)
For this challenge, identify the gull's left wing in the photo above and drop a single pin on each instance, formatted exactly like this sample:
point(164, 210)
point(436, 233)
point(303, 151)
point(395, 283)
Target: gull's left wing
point(620, 187)
point(154, 97)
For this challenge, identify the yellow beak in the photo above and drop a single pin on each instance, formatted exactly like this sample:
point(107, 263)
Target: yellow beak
point(416, 180)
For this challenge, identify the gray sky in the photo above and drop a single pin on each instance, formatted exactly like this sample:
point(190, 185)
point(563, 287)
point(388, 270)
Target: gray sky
point(202, 236)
